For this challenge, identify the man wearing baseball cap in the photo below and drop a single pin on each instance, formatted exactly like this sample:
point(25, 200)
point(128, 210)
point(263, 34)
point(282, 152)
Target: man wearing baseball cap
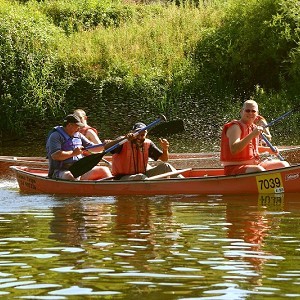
point(130, 159)
point(65, 145)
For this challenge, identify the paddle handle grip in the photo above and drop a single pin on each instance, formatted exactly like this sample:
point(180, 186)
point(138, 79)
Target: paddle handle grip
point(271, 146)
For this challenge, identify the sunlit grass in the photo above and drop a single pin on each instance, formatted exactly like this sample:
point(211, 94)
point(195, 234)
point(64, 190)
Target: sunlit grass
point(154, 44)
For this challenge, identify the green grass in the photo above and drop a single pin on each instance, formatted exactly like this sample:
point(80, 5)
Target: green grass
point(133, 61)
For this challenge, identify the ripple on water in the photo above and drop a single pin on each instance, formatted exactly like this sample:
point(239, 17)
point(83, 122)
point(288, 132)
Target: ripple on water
point(78, 291)
point(9, 184)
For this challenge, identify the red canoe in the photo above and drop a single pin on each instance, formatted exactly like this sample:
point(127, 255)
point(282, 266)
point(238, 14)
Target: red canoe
point(196, 181)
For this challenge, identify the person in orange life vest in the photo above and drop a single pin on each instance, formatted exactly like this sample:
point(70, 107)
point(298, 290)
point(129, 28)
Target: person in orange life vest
point(130, 160)
point(65, 145)
point(261, 121)
point(239, 144)
point(90, 132)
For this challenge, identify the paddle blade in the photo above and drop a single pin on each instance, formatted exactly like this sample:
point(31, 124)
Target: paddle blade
point(85, 164)
point(167, 128)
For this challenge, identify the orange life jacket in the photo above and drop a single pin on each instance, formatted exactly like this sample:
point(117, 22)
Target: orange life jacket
point(131, 160)
point(248, 153)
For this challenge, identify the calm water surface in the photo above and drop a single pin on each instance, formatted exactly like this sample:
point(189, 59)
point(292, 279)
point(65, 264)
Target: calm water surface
point(178, 247)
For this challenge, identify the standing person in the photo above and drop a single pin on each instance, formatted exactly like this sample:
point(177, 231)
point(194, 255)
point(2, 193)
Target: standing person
point(130, 160)
point(90, 132)
point(239, 144)
point(65, 145)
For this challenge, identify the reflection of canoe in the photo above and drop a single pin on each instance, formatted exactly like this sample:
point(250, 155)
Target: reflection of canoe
point(196, 181)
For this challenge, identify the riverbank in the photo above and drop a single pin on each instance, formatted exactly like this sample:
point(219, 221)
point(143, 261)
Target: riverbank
point(127, 62)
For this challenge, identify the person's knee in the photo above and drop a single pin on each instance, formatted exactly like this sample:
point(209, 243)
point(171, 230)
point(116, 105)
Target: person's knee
point(67, 176)
point(138, 176)
point(255, 169)
point(102, 172)
point(285, 164)
point(105, 172)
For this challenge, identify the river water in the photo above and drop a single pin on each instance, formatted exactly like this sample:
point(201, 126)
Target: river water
point(170, 247)
point(175, 247)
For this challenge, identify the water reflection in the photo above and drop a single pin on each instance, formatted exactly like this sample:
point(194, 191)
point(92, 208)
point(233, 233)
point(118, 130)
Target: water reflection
point(80, 219)
point(251, 228)
point(176, 247)
point(154, 225)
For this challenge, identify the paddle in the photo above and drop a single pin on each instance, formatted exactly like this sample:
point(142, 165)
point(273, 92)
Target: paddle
point(94, 146)
point(282, 116)
point(274, 122)
point(87, 163)
point(171, 127)
point(271, 146)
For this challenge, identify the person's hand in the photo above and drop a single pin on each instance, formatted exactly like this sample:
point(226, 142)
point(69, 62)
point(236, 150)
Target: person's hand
point(77, 151)
point(107, 141)
point(164, 144)
point(276, 150)
point(87, 152)
point(258, 130)
point(130, 136)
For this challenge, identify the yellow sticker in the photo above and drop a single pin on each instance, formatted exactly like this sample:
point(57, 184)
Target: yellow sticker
point(269, 183)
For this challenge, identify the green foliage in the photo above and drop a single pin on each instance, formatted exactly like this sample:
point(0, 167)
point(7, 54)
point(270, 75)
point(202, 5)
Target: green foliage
point(252, 46)
point(197, 60)
point(31, 76)
point(78, 15)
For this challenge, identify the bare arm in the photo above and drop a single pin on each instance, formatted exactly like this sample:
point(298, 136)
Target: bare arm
point(111, 143)
point(237, 144)
point(262, 122)
point(92, 136)
point(165, 148)
point(62, 155)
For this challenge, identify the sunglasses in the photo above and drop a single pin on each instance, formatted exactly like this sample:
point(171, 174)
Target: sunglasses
point(250, 110)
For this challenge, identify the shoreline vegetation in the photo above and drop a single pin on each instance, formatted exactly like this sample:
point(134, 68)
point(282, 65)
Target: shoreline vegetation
point(125, 62)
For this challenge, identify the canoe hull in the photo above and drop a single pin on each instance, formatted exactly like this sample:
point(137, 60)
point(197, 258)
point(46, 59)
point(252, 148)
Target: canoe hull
point(197, 181)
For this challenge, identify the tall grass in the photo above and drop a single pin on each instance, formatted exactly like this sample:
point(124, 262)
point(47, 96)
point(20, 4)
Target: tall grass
point(192, 60)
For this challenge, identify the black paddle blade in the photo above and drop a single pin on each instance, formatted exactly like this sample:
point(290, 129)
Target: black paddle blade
point(85, 164)
point(167, 128)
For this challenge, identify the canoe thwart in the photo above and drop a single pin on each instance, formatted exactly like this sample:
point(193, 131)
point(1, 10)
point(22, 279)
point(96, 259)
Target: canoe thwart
point(177, 172)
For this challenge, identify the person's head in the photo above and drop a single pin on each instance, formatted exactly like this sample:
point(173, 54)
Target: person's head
point(72, 124)
point(81, 114)
point(140, 138)
point(249, 111)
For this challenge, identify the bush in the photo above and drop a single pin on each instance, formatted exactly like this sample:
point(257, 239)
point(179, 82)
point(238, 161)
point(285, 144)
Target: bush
point(32, 79)
point(251, 47)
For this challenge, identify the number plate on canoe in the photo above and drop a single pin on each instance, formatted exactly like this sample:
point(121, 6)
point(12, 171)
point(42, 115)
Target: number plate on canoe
point(270, 183)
